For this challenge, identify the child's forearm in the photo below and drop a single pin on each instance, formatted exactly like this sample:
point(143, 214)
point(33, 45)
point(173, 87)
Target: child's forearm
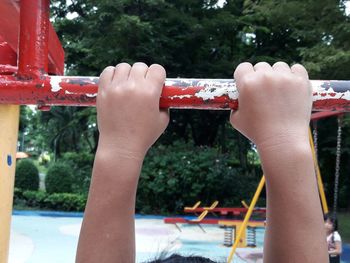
point(108, 226)
point(294, 219)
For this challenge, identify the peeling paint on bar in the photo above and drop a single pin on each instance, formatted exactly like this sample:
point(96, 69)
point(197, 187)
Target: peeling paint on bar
point(331, 94)
point(210, 92)
point(215, 94)
point(55, 83)
point(181, 97)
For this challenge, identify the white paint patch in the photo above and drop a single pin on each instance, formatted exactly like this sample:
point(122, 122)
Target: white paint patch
point(55, 83)
point(217, 89)
point(320, 93)
point(181, 96)
point(91, 95)
point(68, 92)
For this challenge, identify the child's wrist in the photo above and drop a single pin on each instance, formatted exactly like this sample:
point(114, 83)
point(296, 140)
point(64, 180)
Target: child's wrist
point(122, 148)
point(282, 142)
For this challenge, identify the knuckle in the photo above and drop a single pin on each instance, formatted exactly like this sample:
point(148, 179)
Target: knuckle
point(247, 81)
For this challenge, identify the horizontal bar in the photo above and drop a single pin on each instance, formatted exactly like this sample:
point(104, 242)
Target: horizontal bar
point(8, 69)
point(333, 95)
point(322, 115)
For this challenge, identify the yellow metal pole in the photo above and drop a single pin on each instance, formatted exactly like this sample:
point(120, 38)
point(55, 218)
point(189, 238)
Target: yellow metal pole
point(246, 218)
point(318, 175)
point(9, 118)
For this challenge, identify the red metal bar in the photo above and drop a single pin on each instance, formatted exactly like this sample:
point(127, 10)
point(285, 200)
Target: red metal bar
point(205, 221)
point(9, 30)
point(321, 115)
point(33, 39)
point(177, 93)
point(7, 69)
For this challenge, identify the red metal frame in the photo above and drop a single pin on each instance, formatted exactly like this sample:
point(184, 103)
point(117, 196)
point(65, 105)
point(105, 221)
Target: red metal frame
point(10, 30)
point(205, 221)
point(227, 211)
point(177, 93)
point(40, 52)
point(33, 40)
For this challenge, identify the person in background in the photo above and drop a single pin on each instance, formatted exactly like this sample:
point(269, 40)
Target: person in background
point(333, 238)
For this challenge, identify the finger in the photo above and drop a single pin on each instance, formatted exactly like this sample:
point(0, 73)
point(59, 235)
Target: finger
point(262, 66)
point(242, 70)
point(106, 77)
point(138, 71)
point(300, 71)
point(281, 67)
point(121, 73)
point(156, 74)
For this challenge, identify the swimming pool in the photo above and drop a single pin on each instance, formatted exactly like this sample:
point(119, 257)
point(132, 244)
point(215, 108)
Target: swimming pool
point(38, 237)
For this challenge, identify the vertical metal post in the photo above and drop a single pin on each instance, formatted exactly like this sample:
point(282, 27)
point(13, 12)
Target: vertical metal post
point(318, 175)
point(33, 62)
point(243, 227)
point(9, 118)
point(34, 38)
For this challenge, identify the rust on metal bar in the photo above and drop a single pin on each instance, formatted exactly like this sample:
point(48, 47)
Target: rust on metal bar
point(177, 93)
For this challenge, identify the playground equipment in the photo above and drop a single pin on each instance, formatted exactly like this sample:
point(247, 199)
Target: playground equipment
point(26, 32)
point(248, 235)
point(229, 212)
point(314, 117)
point(338, 155)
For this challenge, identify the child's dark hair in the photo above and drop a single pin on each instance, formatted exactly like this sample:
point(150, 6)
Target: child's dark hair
point(332, 218)
point(176, 258)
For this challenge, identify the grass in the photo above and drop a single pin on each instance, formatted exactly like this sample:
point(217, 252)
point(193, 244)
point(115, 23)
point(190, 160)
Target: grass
point(344, 226)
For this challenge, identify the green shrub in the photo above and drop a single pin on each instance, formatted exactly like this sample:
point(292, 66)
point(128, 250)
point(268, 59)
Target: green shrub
point(181, 174)
point(58, 179)
point(81, 165)
point(34, 198)
point(66, 202)
point(27, 175)
point(42, 200)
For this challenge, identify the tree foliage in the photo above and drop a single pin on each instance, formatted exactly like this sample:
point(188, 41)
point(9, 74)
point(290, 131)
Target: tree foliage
point(196, 38)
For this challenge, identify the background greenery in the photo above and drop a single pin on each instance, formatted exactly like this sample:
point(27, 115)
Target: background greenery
point(199, 157)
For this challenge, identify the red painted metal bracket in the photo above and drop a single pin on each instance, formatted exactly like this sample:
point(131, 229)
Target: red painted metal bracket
point(10, 30)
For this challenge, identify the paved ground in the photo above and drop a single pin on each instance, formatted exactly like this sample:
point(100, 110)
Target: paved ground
point(38, 237)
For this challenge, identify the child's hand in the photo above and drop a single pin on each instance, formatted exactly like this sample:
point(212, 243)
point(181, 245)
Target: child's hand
point(129, 118)
point(274, 103)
